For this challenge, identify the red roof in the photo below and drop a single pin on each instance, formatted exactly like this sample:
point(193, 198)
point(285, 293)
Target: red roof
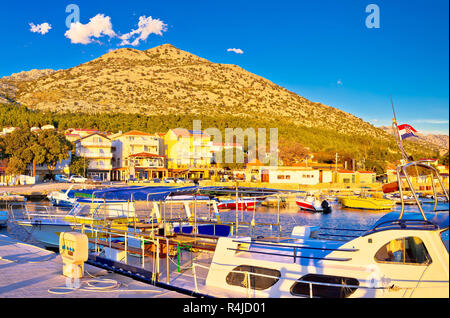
point(137, 133)
point(146, 155)
point(346, 171)
point(366, 172)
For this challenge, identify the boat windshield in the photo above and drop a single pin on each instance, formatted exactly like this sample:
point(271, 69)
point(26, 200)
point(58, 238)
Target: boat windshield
point(80, 210)
point(444, 238)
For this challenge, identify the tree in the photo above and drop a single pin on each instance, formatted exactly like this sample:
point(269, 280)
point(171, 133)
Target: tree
point(445, 159)
point(16, 167)
point(78, 165)
point(51, 148)
point(47, 147)
point(291, 152)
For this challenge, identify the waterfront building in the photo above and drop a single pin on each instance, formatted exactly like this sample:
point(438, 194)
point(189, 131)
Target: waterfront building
point(188, 153)
point(366, 177)
point(97, 148)
point(138, 155)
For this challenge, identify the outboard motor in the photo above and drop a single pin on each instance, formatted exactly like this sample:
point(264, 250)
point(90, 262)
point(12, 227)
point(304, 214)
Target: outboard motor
point(326, 207)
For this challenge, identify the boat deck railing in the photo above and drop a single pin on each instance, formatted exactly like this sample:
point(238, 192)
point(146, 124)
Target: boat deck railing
point(403, 174)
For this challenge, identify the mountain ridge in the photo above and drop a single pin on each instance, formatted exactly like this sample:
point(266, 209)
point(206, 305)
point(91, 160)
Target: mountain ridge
point(164, 80)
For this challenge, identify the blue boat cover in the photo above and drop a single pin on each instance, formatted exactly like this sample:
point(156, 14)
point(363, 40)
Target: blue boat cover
point(133, 193)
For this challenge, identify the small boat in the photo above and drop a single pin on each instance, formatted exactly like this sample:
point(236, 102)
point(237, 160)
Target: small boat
point(274, 202)
point(366, 203)
point(313, 204)
point(7, 197)
point(242, 204)
point(407, 200)
point(3, 218)
point(45, 227)
point(62, 198)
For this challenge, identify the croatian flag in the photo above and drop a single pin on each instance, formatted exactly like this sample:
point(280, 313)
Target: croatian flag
point(406, 131)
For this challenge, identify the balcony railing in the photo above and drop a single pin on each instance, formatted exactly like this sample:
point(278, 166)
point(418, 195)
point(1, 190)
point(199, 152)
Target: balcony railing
point(95, 155)
point(96, 144)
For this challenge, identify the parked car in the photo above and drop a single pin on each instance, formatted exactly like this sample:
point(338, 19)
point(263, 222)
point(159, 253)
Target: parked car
point(181, 180)
point(61, 178)
point(77, 179)
point(156, 180)
point(96, 180)
point(169, 180)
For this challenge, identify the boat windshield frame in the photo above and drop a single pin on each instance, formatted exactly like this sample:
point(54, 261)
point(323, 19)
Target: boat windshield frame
point(401, 172)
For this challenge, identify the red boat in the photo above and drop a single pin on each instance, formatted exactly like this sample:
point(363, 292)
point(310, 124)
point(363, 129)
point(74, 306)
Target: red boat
point(313, 205)
point(242, 204)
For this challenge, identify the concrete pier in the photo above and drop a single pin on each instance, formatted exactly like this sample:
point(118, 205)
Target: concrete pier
point(27, 271)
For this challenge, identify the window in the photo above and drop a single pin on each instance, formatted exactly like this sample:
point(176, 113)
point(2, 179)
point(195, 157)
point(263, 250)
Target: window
point(406, 250)
point(303, 289)
point(280, 177)
point(444, 238)
point(256, 282)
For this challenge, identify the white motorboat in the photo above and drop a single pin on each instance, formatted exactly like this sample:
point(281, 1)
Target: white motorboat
point(397, 257)
point(313, 204)
point(45, 225)
point(62, 198)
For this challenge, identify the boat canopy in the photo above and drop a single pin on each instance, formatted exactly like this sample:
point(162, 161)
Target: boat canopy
point(135, 193)
point(412, 220)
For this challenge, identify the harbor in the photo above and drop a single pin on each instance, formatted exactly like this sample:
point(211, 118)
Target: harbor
point(174, 238)
point(227, 157)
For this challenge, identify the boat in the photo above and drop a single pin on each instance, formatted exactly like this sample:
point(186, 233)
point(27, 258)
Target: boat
point(45, 226)
point(366, 203)
point(408, 200)
point(8, 197)
point(274, 201)
point(398, 257)
point(62, 198)
point(312, 204)
point(3, 218)
point(242, 204)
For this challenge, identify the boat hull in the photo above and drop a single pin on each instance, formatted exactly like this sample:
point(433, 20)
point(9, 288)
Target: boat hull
point(241, 205)
point(324, 207)
point(367, 203)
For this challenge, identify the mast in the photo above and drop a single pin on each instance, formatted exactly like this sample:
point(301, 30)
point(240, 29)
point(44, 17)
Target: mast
point(398, 139)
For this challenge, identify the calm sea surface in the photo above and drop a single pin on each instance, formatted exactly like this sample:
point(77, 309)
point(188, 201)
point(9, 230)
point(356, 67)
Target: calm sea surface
point(340, 218)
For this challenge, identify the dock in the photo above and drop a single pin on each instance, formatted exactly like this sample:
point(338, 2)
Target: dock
point(27, 271)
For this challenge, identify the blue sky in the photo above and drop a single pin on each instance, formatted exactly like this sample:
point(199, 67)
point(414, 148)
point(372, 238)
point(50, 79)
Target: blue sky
point(319, 49)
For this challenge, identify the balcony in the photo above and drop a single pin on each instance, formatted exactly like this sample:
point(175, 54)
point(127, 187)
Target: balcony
point(95, 144)
point(95, 155)
point(97, 166)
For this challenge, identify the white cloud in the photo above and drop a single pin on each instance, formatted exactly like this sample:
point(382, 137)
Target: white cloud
point(97, 27)
point(237, 51)
point(146, 26)
point(339, 82)
point(42, 28)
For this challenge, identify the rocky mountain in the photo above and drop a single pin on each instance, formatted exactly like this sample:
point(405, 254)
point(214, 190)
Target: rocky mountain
point(29, 75)
point(166, 80)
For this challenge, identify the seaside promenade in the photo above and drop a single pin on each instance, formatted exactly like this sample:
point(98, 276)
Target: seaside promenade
point(27, 271)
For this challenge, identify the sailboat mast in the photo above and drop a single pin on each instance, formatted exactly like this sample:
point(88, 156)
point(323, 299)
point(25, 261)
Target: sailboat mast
point(398, 139)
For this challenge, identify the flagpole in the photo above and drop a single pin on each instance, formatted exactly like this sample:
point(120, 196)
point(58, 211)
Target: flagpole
point(398, 139)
